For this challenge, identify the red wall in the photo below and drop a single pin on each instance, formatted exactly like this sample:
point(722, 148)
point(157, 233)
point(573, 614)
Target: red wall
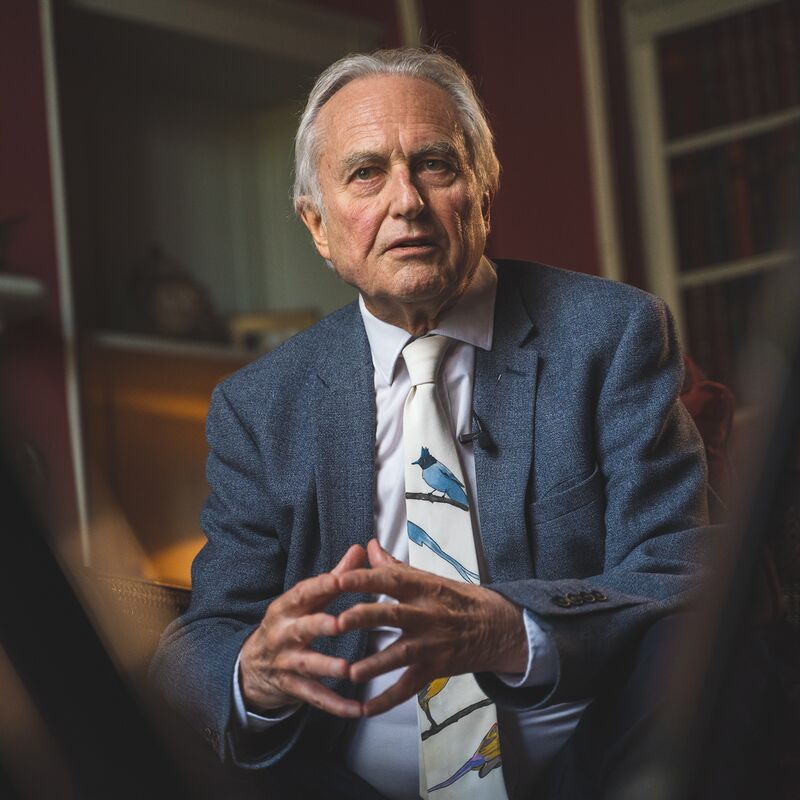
point(31, 354)
point(526, 61)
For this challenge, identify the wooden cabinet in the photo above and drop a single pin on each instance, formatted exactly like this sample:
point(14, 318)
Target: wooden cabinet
point(145, 407)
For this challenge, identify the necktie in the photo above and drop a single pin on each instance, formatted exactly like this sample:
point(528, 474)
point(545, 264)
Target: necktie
point(460, 746)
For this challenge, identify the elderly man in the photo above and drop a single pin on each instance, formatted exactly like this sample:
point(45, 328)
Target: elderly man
point(442, 519)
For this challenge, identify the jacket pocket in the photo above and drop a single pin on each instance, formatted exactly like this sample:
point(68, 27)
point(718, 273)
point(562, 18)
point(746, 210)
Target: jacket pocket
point(568, 530)
point(556, 505)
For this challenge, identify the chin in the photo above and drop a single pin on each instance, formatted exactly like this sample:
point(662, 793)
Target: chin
point(422, 275)
point(424, 290)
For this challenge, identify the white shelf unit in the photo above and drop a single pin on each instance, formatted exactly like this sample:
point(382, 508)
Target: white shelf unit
point(20, 295)
point(730, 270)
point(196, 101)
point(730, 133)
point(646, 21)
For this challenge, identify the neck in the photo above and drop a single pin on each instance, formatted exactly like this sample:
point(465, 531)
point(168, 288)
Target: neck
point(410, 317)
point(416, 317)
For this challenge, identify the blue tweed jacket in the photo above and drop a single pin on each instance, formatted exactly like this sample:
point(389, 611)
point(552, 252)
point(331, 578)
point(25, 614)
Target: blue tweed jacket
point(592, 507)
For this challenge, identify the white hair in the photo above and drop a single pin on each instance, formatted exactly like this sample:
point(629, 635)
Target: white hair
point(413, 62)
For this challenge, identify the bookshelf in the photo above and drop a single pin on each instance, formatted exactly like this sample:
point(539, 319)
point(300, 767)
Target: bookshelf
point(715, 97)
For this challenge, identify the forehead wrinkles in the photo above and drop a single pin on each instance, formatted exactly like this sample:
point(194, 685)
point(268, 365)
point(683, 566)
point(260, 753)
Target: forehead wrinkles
point(370, 113)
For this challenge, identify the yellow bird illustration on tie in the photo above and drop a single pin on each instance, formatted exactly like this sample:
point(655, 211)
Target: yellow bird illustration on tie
point(427, 693)
point(483, 760)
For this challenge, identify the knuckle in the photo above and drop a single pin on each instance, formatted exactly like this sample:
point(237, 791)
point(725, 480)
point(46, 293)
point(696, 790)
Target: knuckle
point(299, 591)
point(437, 590)
point(273, 640)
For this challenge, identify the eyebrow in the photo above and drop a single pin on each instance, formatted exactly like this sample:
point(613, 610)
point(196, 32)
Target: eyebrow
point(360, 157)
point(443, 148)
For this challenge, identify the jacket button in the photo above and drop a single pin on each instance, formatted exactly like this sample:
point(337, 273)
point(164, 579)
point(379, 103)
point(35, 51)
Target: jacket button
point(560, 601)
point(599, 596)
point(575, 599)
point(588, 597)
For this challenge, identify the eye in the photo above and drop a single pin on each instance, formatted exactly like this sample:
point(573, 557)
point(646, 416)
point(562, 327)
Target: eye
point(434, 165)
point(364, 173)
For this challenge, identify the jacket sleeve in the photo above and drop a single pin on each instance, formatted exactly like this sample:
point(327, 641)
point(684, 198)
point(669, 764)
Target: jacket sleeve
point(241, 564)
point(650, 489)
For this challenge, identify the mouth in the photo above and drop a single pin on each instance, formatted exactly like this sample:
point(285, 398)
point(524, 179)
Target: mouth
point(411, 245)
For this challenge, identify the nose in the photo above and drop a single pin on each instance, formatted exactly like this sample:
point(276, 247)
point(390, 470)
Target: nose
point(405, 200)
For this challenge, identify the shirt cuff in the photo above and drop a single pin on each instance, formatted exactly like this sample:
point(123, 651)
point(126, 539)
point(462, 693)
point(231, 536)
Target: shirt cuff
point(542, 667)
point(247, 720)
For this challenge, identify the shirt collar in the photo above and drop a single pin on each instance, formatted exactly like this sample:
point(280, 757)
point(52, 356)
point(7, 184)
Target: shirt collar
point(470, 320)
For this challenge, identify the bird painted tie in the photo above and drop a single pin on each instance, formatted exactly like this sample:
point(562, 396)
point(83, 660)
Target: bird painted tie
point(460, 745)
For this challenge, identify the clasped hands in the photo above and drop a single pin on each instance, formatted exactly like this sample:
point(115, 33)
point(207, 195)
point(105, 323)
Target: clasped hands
point(447, 628)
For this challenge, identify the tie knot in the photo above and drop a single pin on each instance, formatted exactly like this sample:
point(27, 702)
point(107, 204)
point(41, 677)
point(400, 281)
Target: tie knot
point(424, 356)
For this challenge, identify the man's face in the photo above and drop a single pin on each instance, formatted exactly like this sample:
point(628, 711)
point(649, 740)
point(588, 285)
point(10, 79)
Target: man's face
point(405, 222)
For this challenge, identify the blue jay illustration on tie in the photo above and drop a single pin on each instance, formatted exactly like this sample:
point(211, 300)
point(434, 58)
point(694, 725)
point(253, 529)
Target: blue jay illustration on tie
point(420, 537)
point(440, 478)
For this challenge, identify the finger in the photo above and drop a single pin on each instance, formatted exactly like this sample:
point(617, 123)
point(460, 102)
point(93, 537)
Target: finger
point(378, 557)
point(311, 664)
point(366, 616)
point(355, 557)
point(313, 692)
point(399, 654)
point(409, 683)
point(398, 581)
point(308, 595)
point(303, 630)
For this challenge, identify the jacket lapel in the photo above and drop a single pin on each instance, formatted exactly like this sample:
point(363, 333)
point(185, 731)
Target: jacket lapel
point(344, 439)
point(344, 431)
point(504, 398)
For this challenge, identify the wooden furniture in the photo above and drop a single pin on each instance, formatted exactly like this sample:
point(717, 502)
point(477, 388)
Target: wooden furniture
point(136, 613)
point(145, 406)
point(263, 330)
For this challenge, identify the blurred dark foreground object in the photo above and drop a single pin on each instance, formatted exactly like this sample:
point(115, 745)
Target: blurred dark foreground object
point(733, 725)
point(753, 741)
point(711, 406)
point(80, 730)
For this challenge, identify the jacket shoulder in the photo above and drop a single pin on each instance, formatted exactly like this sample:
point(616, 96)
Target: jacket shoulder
point(569, 302)
point(294, 361)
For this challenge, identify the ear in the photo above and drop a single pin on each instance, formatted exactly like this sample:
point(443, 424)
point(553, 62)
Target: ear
point(486, 209)
point(313, 220)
